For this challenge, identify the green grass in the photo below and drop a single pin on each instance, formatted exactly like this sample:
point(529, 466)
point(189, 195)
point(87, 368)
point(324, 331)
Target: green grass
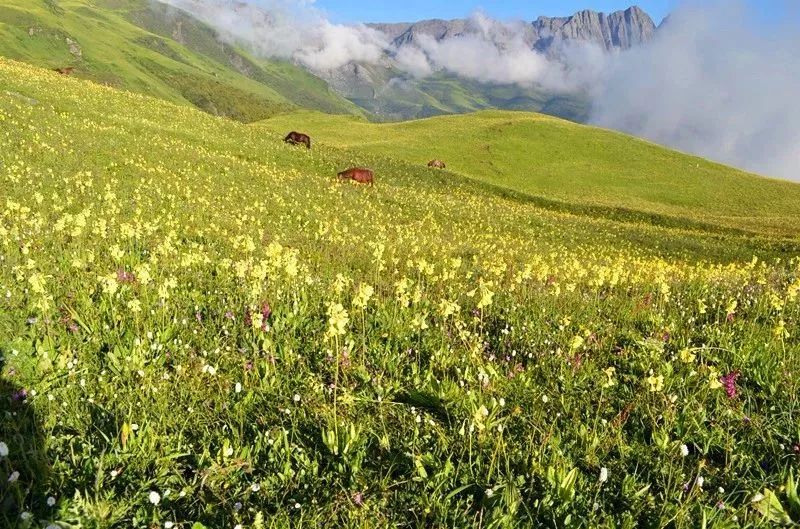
point(573, 165)
point(211, 331)
point(131, 44)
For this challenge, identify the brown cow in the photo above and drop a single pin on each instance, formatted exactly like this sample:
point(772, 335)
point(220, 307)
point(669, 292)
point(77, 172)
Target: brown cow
point(358, 174)
point(65, 71)
point(437, 164)
point(297, 138)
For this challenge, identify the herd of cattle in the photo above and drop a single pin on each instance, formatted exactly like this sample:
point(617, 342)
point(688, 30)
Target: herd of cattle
point(357, 174)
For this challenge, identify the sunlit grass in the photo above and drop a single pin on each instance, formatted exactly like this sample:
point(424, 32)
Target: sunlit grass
point(586, 168)
point(200, 327)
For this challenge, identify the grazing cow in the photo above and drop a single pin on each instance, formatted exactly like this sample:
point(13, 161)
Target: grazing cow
point(65, 71)
point(437, 164)
point(358, 174)
point(296, 138)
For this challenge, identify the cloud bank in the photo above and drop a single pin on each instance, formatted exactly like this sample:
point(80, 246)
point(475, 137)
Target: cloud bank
point(717, 81)
point(712, 83)
point(288, 29)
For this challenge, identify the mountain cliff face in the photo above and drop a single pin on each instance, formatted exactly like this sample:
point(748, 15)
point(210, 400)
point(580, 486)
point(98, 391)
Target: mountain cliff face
point(401, 34)
point(619, 30)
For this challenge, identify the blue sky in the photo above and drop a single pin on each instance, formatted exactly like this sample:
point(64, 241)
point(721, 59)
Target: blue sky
point(349, 11)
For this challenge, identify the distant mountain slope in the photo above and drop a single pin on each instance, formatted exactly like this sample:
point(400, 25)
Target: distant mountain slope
point(584, 166)
point(144, 46)
point(384, 92)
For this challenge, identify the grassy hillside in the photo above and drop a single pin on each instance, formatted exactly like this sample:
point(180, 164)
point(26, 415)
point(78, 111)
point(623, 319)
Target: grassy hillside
point(200, 328)
point(572, 164)
point(145, 47)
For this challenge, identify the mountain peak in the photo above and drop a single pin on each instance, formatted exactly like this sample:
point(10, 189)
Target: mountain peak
point(618, 30)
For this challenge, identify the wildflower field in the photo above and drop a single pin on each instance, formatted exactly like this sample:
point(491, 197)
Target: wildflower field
point(201, 328)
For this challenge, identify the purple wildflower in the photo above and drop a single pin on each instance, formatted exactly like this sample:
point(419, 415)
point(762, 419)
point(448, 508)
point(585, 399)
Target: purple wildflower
point(729, 383)
point(358, 499)
point(19, 396)
point(266, 312)
point(123, 276)
point(517, 369)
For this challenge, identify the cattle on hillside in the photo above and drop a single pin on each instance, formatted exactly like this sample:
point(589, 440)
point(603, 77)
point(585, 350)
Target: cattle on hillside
point(437, 164)
point(358, 174)
point(298, 138)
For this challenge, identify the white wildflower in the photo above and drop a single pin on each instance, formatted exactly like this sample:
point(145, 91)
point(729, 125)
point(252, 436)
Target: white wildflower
point(155, 497)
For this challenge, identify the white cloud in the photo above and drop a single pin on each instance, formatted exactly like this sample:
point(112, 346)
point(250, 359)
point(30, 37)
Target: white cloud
point(713, 83)
point(335, 45)
point(289, 29)
point(414, 61)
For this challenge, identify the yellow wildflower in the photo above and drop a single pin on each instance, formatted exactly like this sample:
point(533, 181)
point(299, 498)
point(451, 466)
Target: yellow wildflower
point(687, 356)
point(363, 295)
point(337, 320)
point(610, 372)
point(656, 383)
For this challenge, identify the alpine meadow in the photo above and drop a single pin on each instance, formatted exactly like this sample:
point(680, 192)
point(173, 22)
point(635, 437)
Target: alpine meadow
point(202, 327)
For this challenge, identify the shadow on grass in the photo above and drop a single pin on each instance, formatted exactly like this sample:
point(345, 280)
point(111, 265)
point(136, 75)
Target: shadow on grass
point(24, 469)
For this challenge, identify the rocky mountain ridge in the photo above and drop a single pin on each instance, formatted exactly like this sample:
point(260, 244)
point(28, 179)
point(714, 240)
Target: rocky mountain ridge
point(619, 30)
